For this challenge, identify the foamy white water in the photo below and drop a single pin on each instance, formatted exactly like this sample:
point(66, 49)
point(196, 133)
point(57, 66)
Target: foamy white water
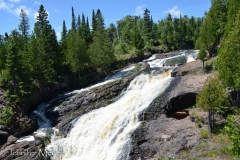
point(25, 138)
point(45, 123)
point(104, 134)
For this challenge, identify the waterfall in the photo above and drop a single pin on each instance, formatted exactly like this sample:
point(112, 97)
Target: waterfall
point(39, 114)
point(104, 134)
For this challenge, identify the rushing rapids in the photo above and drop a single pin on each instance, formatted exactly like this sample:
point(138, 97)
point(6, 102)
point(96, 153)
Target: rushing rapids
point(104, 133)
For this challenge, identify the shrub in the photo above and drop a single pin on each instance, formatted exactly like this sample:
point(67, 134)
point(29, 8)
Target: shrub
point(232, 128)
point(204, 133)
point(6, 115)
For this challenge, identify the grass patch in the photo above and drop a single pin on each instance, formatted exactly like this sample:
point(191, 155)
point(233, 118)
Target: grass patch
point(204, 133)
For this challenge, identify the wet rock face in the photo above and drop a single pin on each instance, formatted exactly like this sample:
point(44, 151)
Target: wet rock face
point(20, 151)
point(163, 137)
point(187, 68)
point(70, 109)
point(159, 136)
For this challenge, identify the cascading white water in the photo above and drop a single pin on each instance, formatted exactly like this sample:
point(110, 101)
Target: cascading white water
point(39, 113)
point(104, 134)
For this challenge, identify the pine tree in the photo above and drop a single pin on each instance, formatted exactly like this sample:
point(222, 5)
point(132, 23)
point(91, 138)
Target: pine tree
point(202, 55)
point(207, 35)
point(232, 10)
point(76, 53)
point(44, 51)
point(42, 17)
point(99, 20)
point(147, 26)
point(16, 77)
point(94, 22)
point(137, 40)
point(229, 57)
point(74, 25)
point(101, 51)
point(63, 40)
point(112, 32)
point(24, 26)
point(212, 98)
point(79, 23)
point(88, 33)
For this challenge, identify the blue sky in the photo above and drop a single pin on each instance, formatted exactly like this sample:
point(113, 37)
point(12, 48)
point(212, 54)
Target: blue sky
point(112, 10)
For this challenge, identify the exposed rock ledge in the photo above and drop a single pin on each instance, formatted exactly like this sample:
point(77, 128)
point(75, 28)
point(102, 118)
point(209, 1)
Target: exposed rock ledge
point(159, 136)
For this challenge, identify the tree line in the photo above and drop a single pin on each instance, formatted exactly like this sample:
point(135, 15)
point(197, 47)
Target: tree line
point(220, 36)
point(32, 60)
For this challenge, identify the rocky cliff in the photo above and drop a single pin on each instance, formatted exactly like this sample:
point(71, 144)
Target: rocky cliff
point(166, 128)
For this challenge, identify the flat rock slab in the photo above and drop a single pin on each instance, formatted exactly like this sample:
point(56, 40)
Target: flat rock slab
point(166, 137)
point(187, 68)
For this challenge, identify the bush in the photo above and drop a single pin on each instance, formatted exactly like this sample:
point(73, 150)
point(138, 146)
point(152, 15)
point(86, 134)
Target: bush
point(232, 128)
point(6, 115)
point(205, 133)
point(215, 65)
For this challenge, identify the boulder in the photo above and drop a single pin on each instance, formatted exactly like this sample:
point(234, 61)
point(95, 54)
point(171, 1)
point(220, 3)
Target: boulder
point(163, 137)
point(11, 139)
point(187, 68)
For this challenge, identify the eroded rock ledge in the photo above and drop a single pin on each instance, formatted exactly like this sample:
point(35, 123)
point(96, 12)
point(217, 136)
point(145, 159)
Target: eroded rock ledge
point(160, 136)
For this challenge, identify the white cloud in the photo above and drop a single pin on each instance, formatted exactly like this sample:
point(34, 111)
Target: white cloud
point(16, 1)
point(139, 10)
point(17, 10)
point(5, 6)
point(56, 10)
point(174, 11)
point(9, 7)
point(37, 3)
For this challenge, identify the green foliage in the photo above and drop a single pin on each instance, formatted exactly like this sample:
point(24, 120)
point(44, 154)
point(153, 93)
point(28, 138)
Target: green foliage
point(6, 115)
point(232, 128)
point(42, 17)
point(202, 55)
point(76, 52)
point(64, 35)
point(204, 133)
point(24, 26)
point(233, 10)
point(212, 96)
point(215, 64)
point(101, 51)
point(213, 27)
point(229, 57)
point(137, 40)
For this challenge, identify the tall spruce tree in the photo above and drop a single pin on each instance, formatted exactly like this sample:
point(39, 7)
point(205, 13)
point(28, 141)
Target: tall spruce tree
point(42, 17)
point(229, 57)
point(24, 26)
point(137, 40)
point(147, 26)
point(73, 25)
point(100, 50)
point(63, 40)
point(44, 50)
